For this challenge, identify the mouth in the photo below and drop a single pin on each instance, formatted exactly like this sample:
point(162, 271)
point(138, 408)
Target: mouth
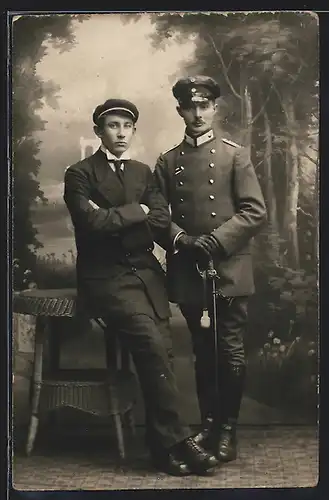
point(198, 124)
point(121, 143)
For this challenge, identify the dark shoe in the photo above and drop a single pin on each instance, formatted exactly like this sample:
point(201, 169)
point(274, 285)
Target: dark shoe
point(206, 437)
point(227, 448)
point(170, 464)
point(196, 457)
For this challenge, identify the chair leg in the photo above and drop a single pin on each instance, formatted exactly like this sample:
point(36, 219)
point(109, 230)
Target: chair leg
point(32, 432)
point(130, 421)
point(119, 435)
point(36, 383)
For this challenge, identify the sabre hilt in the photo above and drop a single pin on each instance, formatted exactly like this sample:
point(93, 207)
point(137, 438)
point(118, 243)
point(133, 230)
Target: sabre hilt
point(210, 274)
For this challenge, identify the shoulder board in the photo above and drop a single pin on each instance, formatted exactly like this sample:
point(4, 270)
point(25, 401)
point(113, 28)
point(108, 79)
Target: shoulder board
point(170, 149)
point(66, 168)
point(231, 143)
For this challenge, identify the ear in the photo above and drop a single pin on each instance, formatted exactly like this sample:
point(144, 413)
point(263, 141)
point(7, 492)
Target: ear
point(98, 131)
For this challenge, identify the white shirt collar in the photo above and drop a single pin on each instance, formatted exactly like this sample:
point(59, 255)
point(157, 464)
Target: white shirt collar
point(111, 157)
point(198, 141)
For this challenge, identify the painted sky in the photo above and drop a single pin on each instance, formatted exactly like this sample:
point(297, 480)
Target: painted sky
point(110, 59)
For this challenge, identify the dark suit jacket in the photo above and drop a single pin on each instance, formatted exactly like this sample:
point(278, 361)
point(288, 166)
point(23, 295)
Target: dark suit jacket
point(212, 188)
point(117, 239)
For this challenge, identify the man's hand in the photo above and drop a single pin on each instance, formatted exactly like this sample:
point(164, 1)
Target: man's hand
point(96, 207)
point(207, 244)
point(185, 242)
point(145, 208)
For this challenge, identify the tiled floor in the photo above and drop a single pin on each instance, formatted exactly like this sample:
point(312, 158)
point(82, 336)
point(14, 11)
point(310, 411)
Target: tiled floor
point(269, 457)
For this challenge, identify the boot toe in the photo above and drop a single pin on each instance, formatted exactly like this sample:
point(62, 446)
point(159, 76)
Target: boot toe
point(197, 458)
point(227, 455)
point(172, 465)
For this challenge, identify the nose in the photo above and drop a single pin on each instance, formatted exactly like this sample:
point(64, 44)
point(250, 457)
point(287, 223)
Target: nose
point(121, 133)
point(197, 112)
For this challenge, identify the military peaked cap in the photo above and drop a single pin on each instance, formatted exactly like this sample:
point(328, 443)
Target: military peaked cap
point(196, 89)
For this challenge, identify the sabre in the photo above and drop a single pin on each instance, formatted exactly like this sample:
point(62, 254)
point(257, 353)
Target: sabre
point(210, 274)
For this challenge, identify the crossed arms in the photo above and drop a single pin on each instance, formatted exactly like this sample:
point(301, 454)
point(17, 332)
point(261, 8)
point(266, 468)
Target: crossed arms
point(152, 212)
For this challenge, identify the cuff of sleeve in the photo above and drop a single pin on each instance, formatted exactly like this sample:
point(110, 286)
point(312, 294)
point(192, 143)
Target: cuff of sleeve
point(178, 235)
point(221, 249)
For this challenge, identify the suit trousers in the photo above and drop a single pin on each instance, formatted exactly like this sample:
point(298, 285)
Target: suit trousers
point(148, 339)
point(231, 326)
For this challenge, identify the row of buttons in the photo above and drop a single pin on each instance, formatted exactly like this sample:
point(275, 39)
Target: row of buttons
point(181, 183)
point(211, 165)
point(129, 254)
point(211, 197)
point(212, 151)
point(213, 214)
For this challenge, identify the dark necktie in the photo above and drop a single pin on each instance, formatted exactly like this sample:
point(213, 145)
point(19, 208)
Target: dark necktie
point(117, 165)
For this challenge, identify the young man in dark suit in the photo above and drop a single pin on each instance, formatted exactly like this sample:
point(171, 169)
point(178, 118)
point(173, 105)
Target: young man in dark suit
point(117, 212)
point(217, 207)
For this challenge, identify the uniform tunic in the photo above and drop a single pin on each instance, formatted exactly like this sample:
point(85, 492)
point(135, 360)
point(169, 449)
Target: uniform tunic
point(212, 187)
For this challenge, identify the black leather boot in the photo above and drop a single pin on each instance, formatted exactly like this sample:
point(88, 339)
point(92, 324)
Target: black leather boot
point(167, 461)
point(195, 456)
point(163, 459)
point(230, 401)
point(205, 436)
point(227, 447)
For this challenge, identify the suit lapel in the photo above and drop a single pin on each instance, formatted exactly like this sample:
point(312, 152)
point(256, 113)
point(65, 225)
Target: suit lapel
point(133, 182)
point(106, 181)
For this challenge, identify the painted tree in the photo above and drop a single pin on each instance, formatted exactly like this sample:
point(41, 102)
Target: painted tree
point(30, 37)
point(266, 65)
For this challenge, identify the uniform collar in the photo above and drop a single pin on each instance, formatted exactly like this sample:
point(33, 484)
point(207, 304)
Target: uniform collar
point(111, 157)
point(198, 141)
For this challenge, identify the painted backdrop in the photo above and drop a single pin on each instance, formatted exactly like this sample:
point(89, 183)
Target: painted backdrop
point(267, 66)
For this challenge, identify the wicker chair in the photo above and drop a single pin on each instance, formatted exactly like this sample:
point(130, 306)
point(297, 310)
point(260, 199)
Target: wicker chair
point(111, 392)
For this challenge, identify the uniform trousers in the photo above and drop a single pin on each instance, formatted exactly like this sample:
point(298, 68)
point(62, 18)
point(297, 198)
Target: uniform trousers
point(231, 326)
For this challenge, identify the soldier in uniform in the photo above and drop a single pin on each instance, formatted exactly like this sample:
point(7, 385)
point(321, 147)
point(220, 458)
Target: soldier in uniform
point(117, 211)
point(216, 207)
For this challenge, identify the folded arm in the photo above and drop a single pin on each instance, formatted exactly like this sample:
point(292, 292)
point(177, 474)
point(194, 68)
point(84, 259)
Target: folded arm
point(87, 217)
point(161, 178)
point(158, 218)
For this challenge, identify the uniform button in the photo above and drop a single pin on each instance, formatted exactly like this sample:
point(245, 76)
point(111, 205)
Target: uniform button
point(212, 151)
point(128, 254)
point(182, 216)
point(181, 183)
point(211, 197)
point(181, 200)
point(133, 269)
point(211, 181)
point(211, 165)
point(213, 214)
point(182, 153)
